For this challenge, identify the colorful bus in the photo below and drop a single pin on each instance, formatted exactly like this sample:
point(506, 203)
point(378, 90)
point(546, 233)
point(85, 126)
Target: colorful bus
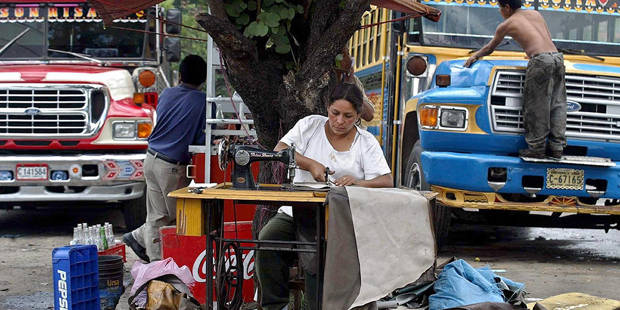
point(457, 130)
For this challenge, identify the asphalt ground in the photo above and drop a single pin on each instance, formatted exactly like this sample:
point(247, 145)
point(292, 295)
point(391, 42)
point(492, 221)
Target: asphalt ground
point(548, 261)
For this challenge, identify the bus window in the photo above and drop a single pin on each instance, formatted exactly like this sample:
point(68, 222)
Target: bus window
point(587, 33)
point(602, 31)
point(617, 30)
point(373, 34)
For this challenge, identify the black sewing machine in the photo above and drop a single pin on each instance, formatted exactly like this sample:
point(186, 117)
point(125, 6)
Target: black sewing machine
point(243, 155)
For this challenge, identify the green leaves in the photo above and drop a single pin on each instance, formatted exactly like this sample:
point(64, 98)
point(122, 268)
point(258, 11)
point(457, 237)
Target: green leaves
point(235, 7)
point(256, 29)
point(271, 20)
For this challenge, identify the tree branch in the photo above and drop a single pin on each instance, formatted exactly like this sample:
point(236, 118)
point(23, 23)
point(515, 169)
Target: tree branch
point(217, 8)
point(321, 52)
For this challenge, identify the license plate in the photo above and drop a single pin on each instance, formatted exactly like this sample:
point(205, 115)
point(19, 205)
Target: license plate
point(562, 178)
point(31, 172)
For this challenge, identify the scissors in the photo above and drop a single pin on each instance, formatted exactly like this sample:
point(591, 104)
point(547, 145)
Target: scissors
point(327, 173)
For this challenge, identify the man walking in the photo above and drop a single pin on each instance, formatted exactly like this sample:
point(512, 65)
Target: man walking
point(544, 94)
point(180, 122)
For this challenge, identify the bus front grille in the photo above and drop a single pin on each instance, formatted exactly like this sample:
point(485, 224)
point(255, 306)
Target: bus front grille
point(594, 105)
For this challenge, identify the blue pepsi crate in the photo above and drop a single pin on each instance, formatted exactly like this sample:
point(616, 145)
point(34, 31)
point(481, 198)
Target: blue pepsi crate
point(76, 277)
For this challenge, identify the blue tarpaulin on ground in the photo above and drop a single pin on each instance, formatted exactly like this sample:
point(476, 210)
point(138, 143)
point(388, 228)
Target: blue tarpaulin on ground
point(460, 284)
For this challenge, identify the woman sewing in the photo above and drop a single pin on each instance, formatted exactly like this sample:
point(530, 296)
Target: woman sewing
point(353, 157)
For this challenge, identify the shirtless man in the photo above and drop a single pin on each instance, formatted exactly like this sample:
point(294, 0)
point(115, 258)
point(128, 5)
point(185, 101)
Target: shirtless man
point(544, 94)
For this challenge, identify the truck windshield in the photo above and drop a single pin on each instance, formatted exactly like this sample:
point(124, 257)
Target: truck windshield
point(57, 32)
point(93, 40)
point(466, 26)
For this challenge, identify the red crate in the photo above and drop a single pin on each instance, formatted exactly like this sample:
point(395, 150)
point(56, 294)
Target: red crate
point(190, 251)
point(117, 249)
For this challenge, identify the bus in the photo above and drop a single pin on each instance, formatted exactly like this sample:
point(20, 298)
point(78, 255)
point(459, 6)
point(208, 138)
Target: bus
point(457, 130)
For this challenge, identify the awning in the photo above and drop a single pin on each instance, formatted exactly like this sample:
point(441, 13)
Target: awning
point(110, 10)
point(409, 7)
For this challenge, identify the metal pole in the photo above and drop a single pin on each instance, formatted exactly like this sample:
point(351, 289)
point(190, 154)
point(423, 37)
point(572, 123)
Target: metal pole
point(210, 93)
point(157, 37)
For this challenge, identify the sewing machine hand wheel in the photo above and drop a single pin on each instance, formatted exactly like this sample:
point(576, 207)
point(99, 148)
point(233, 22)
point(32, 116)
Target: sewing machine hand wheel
point(229, 277)
point(222, 154)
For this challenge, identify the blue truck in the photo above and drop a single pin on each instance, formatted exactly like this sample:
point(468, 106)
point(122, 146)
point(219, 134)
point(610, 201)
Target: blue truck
point(457, 130)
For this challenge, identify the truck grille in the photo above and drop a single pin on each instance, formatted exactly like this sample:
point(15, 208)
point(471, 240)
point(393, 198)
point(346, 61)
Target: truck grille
point(50, 111)
point(598, 96)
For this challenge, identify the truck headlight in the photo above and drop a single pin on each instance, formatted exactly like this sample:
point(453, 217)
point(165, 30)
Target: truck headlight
point(453, 118)
point(124, 130)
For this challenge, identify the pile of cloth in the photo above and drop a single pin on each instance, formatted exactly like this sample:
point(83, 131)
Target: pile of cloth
point(457, 285)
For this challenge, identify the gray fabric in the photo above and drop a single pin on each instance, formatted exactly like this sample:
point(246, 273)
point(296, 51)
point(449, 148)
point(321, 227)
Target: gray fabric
point(161, 178)
point(366, 240)
point(544, 102)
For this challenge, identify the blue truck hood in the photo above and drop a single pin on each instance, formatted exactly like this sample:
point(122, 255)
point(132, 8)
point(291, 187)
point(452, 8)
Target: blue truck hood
point(477, 74)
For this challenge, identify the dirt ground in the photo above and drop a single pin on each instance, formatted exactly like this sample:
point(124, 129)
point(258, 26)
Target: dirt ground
point(548, 261)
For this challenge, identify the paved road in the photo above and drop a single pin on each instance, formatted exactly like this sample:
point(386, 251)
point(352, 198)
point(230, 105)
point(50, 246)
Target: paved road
point(548, 261)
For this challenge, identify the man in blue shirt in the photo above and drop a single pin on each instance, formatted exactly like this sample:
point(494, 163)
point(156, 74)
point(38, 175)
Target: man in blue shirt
point(180, 123)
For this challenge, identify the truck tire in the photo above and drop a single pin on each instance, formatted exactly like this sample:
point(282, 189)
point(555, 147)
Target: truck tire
point(414, 179)
point(134, 212)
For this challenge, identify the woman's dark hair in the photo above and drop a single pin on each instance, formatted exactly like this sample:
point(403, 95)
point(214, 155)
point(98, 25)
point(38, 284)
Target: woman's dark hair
point(193, 70)
point(350, 93)
point(513, 4)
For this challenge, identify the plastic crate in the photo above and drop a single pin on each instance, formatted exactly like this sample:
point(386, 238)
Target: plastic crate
point(76, 277)
point(117, 249)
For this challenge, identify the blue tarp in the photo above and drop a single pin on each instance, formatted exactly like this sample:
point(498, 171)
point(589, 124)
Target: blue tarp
point(460, 284)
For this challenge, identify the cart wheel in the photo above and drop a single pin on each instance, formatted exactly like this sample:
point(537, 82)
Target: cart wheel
point(229, 278)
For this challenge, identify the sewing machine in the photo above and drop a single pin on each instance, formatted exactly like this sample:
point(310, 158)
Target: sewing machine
point(243, 155)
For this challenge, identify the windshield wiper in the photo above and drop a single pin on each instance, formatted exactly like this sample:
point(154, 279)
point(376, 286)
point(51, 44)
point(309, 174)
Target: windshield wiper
point(17, 37)
point(76, 55)
point(571, 51)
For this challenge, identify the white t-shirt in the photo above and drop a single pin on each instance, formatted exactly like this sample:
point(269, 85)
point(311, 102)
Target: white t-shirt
point(364, 160)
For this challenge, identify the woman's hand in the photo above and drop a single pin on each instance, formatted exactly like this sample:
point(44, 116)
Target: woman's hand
point(345, 181)
point(318, 171)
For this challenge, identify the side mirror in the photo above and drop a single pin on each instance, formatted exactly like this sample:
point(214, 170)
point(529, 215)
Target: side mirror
point(174, 19)
point(172, 46)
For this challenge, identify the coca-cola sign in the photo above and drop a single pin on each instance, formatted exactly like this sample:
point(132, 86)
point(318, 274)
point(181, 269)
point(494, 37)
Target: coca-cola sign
point(199, 268)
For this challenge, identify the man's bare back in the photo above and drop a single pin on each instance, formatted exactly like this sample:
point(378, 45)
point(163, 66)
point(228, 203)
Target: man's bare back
point(529, 29)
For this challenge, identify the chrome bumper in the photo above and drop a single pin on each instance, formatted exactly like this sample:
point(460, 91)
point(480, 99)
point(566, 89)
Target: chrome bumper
point(89, 193)
point(87, 177)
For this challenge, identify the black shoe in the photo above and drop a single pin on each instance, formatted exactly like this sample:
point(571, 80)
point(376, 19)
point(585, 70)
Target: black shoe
point(129, 240)
point(555, 154)
point(532, 153)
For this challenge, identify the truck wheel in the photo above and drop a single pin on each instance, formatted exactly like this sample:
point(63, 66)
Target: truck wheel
point(414, 178)
point(134, 212)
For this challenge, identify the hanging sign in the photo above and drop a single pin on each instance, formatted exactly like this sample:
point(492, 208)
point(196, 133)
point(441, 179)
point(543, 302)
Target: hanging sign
point(59, 12)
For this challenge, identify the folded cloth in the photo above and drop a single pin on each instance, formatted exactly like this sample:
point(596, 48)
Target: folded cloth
point(378, 240)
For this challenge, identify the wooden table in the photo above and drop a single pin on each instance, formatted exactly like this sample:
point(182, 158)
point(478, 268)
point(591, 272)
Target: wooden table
point(201, 211)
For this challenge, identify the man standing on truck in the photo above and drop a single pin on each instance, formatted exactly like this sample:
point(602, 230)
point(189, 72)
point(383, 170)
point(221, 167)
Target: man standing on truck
point(180, 123)
point(544, 94)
